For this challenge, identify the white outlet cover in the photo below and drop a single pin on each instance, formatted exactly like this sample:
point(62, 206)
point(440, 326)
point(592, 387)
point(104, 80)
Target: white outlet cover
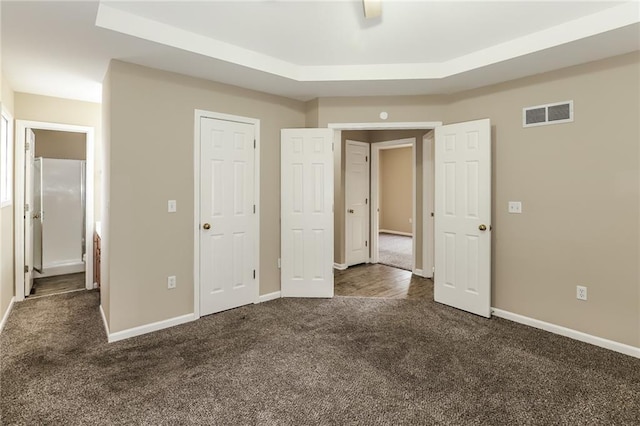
point(515, 207)
point(581, 292)
point(172, 206)
point(171, 281)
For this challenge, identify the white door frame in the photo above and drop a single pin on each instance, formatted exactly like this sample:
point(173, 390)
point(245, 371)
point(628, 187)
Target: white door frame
point(19, 201)
point(417, 125)
point(347, 228)
point(376, 147)
point(199, 115)
point(428, 204)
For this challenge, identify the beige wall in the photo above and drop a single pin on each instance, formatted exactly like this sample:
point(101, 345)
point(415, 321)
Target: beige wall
point(64, 145)
point(151, 160)
point(105, 258)
point(579, 185)
point(396, 189)
point(7, 289)
point(65, 111)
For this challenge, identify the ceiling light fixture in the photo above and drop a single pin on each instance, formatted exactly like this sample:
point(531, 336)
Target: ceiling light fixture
point(372, 8)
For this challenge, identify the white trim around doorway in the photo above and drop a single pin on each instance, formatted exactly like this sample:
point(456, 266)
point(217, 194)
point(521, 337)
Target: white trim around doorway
point(415, 125)
point(375, 194)
point(19, 201)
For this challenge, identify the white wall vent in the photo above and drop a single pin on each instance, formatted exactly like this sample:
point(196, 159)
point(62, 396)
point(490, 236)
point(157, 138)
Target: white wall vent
point(541, 115)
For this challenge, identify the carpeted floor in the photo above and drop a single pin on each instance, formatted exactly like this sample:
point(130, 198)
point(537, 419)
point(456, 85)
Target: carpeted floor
point(341, 361)
point(395, 250)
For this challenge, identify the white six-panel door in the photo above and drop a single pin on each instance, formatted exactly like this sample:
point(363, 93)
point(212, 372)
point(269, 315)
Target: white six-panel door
point(306, 212)
point(28, 215)
point(463, 216)
point(357, 202)
point(227, 231)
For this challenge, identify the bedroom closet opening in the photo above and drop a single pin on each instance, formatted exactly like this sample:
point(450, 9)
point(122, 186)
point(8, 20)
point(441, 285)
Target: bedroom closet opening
point(58, 193)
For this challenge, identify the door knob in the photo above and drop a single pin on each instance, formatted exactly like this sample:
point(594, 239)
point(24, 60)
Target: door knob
point(206, 226)
point(350, 210)
point(482, 227)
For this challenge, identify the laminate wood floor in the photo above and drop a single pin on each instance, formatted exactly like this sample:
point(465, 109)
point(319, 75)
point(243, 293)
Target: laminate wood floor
point(376, 280)
point(57, 284)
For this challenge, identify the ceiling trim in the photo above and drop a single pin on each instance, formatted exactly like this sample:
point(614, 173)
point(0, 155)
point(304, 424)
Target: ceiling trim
point(114, 19)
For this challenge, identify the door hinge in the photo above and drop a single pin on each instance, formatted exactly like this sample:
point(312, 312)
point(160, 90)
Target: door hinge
point(254, 144)
point(366, 158)
point(333, 146)
point(27, 146)
point(431, 214)
point(26, 268)
point(254, 274)
point(366, 243)
point(254, 209)
point(366, 201)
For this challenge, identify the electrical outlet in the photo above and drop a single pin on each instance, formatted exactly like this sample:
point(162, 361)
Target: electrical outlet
point(171, 281)
point(172, 206)
point(581, 292)
point(515, 207)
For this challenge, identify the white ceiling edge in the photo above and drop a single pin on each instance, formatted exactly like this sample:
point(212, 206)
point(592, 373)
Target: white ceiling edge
point(114, 19)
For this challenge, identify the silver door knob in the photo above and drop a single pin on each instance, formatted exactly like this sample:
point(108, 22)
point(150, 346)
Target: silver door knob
point(482, 227)
point(350, 210)
point(206, 226)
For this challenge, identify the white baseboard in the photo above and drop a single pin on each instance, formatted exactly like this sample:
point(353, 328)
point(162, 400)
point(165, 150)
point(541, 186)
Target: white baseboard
point(340, 266)
point(568, 332)
point(269, 296)
point(387, 231)
point(418, 272)
point(6, 314)
point(149, 328)
point(51, 271)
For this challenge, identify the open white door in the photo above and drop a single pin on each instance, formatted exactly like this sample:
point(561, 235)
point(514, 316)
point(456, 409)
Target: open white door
point(37, 214)
point(28, 211)
point(463, 216)
point(357, 202)
point(306, 212)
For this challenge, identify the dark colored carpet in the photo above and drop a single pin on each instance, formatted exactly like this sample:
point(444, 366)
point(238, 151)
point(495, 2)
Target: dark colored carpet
point(395, 250)
point(301, 362)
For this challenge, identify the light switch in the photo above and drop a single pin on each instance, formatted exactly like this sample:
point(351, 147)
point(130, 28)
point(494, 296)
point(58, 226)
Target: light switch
point(515, 207)
point(172, 205)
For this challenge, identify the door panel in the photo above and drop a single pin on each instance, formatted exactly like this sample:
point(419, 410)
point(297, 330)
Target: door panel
point(462, 209)
point(37, 212)
point(29, 212)
point(357, 202)
point(227, 207)
point(307, 212)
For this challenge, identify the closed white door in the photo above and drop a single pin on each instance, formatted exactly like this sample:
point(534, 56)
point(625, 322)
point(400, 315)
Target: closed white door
point(306, 212)
point(463, 216)
point(357, 202)
point(29, 213)
point(227, 230)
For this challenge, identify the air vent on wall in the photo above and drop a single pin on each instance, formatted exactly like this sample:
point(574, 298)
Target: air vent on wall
point(541, 115)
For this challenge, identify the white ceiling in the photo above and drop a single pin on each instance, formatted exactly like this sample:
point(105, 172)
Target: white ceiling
point(307, 49)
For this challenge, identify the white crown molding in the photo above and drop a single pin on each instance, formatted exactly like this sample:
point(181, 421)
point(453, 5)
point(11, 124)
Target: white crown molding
point(118, 20)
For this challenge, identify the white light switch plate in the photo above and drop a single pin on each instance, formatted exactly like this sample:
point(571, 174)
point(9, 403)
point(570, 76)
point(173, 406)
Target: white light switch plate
point(515, 207)
point(172, 205)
